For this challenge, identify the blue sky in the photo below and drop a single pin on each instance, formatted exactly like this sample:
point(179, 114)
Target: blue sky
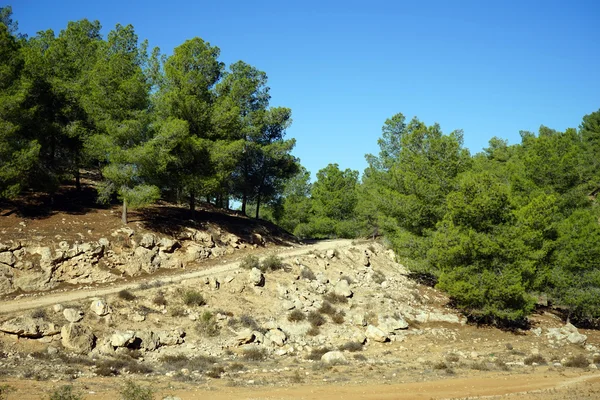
point(491, 68)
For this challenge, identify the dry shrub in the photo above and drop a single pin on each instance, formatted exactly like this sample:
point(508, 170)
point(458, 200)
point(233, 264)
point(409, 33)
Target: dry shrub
point(351, 346)
point(254, 354)
point(308, 273)
point(159, 299)
point(452, 357)
point(126, 295)
point(296, 316)
point(578, 361)
point(327, 308)
point(338, 317)
point(316, 354)
point(315, 319)
point(333, 298)
point(250, 262)
point(534, 358)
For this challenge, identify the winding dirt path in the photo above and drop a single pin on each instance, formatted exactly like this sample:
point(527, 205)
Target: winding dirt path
point(45, 300)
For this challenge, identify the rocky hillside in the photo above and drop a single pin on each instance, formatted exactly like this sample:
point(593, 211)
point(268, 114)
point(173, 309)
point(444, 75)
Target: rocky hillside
point(281, 320)
point(39, 254)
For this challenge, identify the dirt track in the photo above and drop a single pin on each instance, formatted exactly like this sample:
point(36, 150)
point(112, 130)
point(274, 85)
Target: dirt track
point(44, 300)
point(537, 385)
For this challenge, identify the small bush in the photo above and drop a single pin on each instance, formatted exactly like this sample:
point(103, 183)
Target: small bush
point(440, 365)
point(509, 346)
point(327, 308)
point(307, 273)
point(338, 317)
point(115, 366)
point(198, 363)
point(249, 322)
point(315, 319)
point(534, 358)
point(193, 298)
point(452, 357)
point(234, 367)
point(65, 392)
point(316, 354)
point(39, 313)
point(351, 346)
point(578, 361)
point(215, 372)
point(126, 295)
point(272, 263)
point(480, 366)
point(254, 354)
point(132, 391)
point(159, 299)
point(360, 357)
point(596, 359)
point(296, 316)
point(207, 325)
point(335, 298)
point(177, 312)
point(313, 331)
point(501, 364)
point(250, 262)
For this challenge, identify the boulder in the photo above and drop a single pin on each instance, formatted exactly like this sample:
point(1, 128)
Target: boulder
point(8, 258)
point(334, 358)
point(168, 245)
point(376, 334)
point(391, 324)
point(276, 336)
point(78, 338)
point(330, 254)
point(57, 308)
point(171, 338)
point(342, 288)
point(29, 327)
point(245, 336)
point(148, 240)
point(100, 307)
point(256, 277)
point(73, 314)
point(149, 340)
point(122, 338)
point(104, 242)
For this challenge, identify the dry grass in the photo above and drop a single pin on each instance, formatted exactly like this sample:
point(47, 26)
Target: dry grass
point(333, 298)
point(315, 319)
point(296, 316)
point(578, 361)
point(126, 295)
point(535, 358)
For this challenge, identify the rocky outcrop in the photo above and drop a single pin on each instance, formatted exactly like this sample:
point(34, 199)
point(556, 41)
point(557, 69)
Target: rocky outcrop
point(29, 327)
point(78, 338)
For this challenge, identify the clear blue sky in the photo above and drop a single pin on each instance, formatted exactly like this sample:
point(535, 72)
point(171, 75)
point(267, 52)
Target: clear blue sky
point(491, 68)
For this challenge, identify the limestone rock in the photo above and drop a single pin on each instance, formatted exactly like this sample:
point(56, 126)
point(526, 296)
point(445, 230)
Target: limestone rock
point(8, 258)
point(256, 277)
point(168, 245)
point(73, 314)
point(276, 336)
point(78, 338)
point(149, 340)
point(376, 334)
point(100, 307)
point(342, 288)
point(148, 240)
point(122, 338)
point(330, 254)
point(29, 327)
point(391, 324)
point(171, 338)
point(334, 357)
point(245, 336)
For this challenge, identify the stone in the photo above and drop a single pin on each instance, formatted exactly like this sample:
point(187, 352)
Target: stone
point(78, 338)
point(137, 317)
point(322, 279)
point(288, 305)
point(122, 338)
point(148, 240)
point(57, 308)
point(391, 324)
point(172, 337)
point(99, 307)
point(8, 258)
point(342, 288)
point(256, 277)
point(330, 254)
point(276, 336)
point(577, 338)
point(24, 326)
point(376, 334)
point(73, 314)
point(149, 340)
point(334, 358)
point(214, 283)
point(245, 336)
point(168, 245)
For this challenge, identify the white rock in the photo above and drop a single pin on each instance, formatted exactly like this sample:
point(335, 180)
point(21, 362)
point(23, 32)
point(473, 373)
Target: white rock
point(72, 314)
point(256, 277)
point(342, 288)
point(122, 339)
point(376, 334)
point(100, 307)
point(57, 308)
point(334, 357)
point(276, 336)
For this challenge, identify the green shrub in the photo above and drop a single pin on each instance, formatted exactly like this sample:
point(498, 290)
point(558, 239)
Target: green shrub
point(250, 262)
point(65, 392)
point(132, 391)
point(207, 325)
point(193, 298)
point(272, 263)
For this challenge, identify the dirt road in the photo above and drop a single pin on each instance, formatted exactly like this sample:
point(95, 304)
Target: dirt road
point(45, 300)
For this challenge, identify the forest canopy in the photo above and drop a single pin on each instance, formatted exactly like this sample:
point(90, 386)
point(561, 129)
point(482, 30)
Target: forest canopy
point(496, 230)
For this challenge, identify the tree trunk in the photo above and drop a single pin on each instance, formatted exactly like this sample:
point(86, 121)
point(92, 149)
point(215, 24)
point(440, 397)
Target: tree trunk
point(192, 203)
point(77, 174)
point(257, 205)
point(124, 212)
point(244, 199)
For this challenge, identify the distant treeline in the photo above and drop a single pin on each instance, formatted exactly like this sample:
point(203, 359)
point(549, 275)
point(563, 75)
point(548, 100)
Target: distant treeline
point(181, 126)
